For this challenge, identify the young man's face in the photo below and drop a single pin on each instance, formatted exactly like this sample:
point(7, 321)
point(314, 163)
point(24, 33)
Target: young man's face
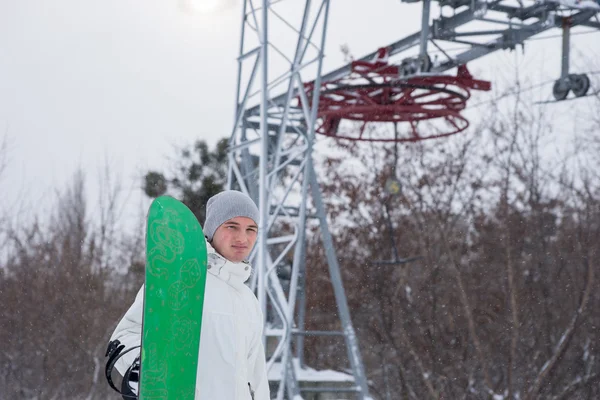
point(235, 238)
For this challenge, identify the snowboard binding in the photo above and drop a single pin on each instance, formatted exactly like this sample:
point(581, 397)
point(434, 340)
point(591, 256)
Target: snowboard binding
point(131, 379)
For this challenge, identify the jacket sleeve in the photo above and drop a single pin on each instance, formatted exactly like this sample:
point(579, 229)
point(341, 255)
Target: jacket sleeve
point(259, 379)
point(129, 332)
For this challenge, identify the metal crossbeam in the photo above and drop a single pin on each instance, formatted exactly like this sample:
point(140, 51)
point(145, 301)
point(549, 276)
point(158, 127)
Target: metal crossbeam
point(510, 38)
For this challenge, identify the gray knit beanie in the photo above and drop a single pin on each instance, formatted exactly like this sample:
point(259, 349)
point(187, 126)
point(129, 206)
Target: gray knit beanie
point(225, 206)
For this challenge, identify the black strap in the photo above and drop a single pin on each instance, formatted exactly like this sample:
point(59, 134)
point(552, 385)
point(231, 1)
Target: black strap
point(114, 352)
point(251, 391)
point(131, 375)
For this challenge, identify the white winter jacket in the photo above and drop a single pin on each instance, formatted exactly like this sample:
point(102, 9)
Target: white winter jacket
point(231, 357)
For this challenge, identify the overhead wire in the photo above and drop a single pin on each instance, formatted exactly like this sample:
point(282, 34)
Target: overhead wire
point(528, 40)
point(522, 90)
point(560, 36)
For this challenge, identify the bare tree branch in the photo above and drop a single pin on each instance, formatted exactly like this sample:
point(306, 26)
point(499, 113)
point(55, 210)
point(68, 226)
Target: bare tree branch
point(575, 385)
point(469, 314)
point(566, 337)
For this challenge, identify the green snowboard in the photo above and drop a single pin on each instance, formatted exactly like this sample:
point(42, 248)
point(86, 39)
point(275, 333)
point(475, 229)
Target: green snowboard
point(173, 300)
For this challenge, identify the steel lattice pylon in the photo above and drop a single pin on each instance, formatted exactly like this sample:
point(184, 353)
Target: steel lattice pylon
point(270, 159)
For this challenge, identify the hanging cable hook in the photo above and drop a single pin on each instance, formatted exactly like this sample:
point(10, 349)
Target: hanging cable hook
point(393, 188)
point(392, 185)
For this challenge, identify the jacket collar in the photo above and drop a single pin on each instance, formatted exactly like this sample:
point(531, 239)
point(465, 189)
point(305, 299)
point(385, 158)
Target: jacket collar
point(231, 272)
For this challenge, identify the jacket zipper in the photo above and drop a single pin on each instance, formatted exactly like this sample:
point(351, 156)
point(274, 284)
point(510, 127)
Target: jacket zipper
point(251, 391)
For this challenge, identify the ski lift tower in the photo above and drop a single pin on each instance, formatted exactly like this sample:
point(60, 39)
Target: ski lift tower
point(281, 49)
point(283, 100)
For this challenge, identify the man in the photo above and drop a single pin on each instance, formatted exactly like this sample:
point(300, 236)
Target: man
point(231, 357)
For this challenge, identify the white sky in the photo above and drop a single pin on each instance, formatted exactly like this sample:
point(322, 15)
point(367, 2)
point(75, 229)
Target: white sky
point(123, 80)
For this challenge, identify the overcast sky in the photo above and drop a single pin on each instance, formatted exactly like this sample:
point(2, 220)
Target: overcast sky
point(123, 80)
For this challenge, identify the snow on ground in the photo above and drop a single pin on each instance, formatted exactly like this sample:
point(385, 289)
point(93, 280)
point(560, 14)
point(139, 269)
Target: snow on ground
point(307, 374)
